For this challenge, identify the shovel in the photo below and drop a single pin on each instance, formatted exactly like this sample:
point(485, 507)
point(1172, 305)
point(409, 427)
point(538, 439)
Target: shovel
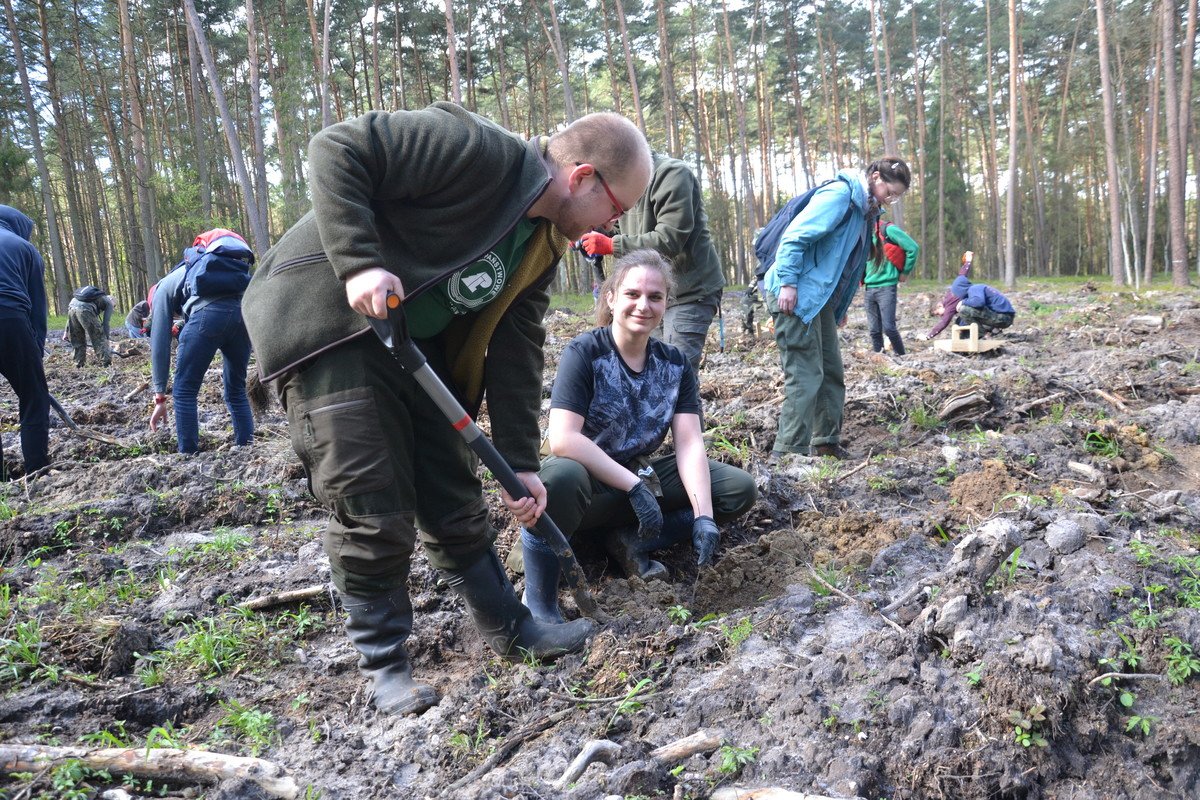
point(86, 433)
point(393, 332)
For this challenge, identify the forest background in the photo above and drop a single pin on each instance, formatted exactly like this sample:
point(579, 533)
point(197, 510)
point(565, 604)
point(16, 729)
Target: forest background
point(1052, 137)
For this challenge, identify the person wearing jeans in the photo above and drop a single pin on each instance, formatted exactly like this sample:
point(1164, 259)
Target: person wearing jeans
point(216, 326)
point(212, 324)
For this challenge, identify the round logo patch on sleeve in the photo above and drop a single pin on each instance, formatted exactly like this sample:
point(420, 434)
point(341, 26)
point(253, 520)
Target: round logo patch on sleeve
point(476, 285)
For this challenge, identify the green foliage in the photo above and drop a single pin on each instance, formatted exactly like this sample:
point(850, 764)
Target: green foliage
point(883, 483)
point(923, 417)
point(1182, 662)
point(1099, 444)
point(733, 759)
point(633, 699)
point(167, 736)
point(679, 614)
point(470, 743)
point(974, 675)
point(1137, 723)
point(250, 726)
point(1027, 726)
point(737, 633)
point(109, 737)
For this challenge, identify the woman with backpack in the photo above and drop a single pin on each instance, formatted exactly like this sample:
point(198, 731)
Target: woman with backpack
point(819, 263)
point(206, 290)
point(899, 256)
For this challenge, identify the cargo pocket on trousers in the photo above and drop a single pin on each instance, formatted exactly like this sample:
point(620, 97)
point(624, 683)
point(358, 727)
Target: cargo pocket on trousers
point(346, 453)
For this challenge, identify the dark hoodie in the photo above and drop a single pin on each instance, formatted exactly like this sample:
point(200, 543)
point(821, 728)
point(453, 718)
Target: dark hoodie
point(22, 273)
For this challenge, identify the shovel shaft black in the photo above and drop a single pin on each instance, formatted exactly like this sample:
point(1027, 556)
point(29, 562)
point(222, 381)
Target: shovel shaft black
point(413, 361)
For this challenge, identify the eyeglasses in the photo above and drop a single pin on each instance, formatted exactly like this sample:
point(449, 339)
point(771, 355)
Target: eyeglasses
point(620, 209)
point(893, 194)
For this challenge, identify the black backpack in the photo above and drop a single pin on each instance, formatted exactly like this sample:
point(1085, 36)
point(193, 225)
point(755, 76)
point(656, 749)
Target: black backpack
point(89, 294)
point(767, 240)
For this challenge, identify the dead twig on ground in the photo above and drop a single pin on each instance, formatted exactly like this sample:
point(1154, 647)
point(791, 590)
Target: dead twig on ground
point(165, 762)
point(282, 598)
point(702, 741)
point(1041, 401)
point(505, 750)
point(601, 750)
point(1137, 676)
point(891, 623)
point(1111, 398)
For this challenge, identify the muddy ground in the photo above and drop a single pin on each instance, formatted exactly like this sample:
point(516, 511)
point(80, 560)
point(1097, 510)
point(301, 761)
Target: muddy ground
point(929, 617)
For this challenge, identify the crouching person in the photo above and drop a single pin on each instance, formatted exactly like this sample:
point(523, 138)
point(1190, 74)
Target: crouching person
point(466, 223)
point(617, 393)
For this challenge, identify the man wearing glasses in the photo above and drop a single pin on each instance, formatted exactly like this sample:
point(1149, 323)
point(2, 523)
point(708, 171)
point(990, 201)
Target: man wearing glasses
point(466, 222)
point(670, 218)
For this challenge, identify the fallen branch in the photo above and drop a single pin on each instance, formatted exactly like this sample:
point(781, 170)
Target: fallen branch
point(510, 744)
point(1086, 470)
point(766, 793)
point(282, 598)
point(162, 763)
point(141, 387)
point(701, 741)
point(892, 623)
point(1184, 389)
point(1137, 676)
point(601, 750)
point(1111, 398)
point(1041, 401)
point(856, 469)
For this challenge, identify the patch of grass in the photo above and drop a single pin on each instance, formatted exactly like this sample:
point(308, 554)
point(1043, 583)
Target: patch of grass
point(248, 725)
point(737, 633)
point(884, 483)
point(1028, 726)
point(468, 744)
point(1102, 445)
point(922, 417)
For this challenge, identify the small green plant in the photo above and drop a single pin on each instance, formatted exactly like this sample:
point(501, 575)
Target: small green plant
point(737, 633)
point(632, 701)
point(943, 475)
point(883, 483)
point(469, 743)
point(1137, 722)
point(1182, 662)
point(1027, 727)
point(733, 759)
point(1058, 412)
point(113, 736)
point(922, 417)
point(1143, 552)
point(831, 721)
point(166, 735)
point(249, 725)
point(679, 615)
point(1099, 444)
point(830, 575)
point(974, 675)
point(6, 511)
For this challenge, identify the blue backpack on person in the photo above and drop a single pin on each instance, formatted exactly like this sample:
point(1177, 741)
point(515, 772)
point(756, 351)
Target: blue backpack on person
point(767, 240)
point(220, 267)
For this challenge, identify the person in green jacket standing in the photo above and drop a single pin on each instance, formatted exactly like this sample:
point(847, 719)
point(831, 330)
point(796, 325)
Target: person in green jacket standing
point(466, 222)
point(898, 257)
point(670, 218)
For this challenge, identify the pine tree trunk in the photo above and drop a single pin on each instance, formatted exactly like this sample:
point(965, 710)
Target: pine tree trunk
point(666, 68)
point(143, 172)
point(452, 54)
point(1176, 174)
point(1010, 240)
point(629, 67)
point(1116, 263)
point(262, 191)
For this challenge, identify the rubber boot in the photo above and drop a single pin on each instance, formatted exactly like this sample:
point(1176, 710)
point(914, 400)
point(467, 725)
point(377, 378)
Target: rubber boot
point(378, 628)
point(505, 624)
point(633, 554)
point(541, 579)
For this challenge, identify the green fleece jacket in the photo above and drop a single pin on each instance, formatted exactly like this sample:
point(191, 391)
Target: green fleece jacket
point(670, 218)
point(421, 194)
point(883, 272)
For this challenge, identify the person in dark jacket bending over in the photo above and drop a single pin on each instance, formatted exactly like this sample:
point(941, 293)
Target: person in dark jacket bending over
point(88, 316)
point(978, 302)
point(466, 222)
point(670, 218)
point(23, 313)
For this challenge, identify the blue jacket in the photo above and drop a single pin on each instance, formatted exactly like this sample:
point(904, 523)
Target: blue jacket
point(22, 272)
point(815, 252)
point(980, 295)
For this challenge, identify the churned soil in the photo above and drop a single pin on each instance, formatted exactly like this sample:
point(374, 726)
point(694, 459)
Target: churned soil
point(996, 593)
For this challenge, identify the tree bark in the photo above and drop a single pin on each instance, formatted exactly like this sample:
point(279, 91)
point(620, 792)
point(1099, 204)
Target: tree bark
point(143, 172)
point(260, 239)
point(629, 66)
point(1010, 239)
point(1176, 174)
point(262, 191)
point(452, 54)
point(58, 263)
point(1116, 263)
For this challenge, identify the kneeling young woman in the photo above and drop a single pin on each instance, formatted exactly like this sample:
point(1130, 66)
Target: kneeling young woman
point(617, 393)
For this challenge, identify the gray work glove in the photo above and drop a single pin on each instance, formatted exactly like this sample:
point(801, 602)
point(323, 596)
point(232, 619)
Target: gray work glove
point(645, 505)
point(704, 538)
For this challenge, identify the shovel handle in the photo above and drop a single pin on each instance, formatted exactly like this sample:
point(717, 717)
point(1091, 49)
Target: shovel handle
point(413, 361)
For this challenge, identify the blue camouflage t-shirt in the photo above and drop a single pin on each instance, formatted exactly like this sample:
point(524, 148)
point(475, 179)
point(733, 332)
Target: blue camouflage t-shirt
point(626, 413)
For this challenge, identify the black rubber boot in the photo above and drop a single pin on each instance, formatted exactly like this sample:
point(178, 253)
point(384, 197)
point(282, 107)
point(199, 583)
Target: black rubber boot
point(506, 625)
point(541, 579)
point(633, 554)
point(378, 628)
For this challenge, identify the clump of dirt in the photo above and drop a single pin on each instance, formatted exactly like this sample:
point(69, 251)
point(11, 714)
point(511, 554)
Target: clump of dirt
point(997, 594)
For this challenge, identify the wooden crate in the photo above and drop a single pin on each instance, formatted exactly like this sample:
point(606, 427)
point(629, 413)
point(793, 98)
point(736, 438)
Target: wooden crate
point(965, 339)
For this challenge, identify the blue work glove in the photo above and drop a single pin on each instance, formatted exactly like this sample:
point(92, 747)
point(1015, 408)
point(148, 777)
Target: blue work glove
point(645, 505)
point(704, 538)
